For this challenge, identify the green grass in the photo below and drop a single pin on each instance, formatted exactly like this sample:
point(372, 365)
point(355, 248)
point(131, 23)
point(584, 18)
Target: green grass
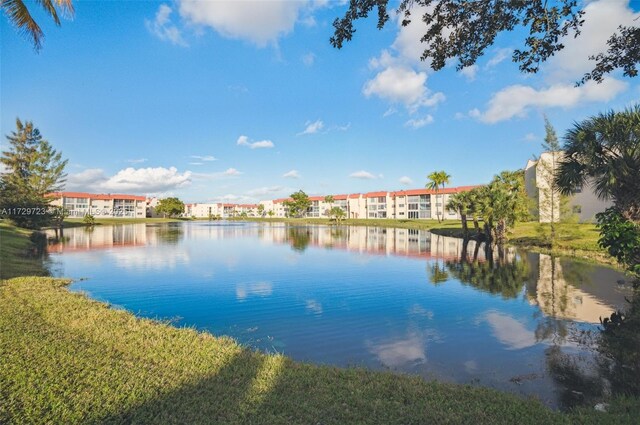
point(16, 253)
point(67, 359)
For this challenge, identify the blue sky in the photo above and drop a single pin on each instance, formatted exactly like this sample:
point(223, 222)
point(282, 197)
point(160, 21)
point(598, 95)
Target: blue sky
point(244, 101)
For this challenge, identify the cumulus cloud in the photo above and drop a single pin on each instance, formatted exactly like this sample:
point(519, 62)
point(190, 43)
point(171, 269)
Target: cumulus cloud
point(362, 174)
point(206, 158)
point(259, 22)
point(293, 174)
point(162, 27)
point(312, 127)
point(244, 141)
point(132, 180)
point(401, 84)
point(517, 100)
point(419, 122)
point(470, 72)
point(231, 172)
point(405, 180)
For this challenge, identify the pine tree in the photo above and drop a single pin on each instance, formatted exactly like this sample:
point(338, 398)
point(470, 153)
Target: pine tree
point(32, 168)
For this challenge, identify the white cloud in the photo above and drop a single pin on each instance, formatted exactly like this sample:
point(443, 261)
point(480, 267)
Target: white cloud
point(244, 141)
point(400, 84)
point(362, 174)
point(401, 352)
point(231, 172)
point(206, 158)
point(196, 163)
point(516, 100)
point(405, 180)
point(308, 59)
point(259, 289)
point(312, 127)
point(419, 122)
point(389, 112)
point(510, 331)
point(601, 20)
point(530, 137)
point(499, 56)
point(470, 72)
point(259, 22)
point(163, 28)
point(136, 161)
point(132, 180)
point(293, 174)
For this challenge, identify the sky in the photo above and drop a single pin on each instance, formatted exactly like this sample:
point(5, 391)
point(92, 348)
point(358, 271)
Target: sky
point(247, 100)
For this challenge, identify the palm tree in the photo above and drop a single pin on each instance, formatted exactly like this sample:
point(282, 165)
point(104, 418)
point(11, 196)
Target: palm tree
point(605, 150)
point(438, 179)
point(460, 202)
point(19, 15)
point(329, 200)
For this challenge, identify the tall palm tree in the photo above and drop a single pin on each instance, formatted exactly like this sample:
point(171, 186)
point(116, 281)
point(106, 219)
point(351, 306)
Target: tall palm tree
point(605, 150)
point(438, 179)
point(460, 202)
point(19, 15)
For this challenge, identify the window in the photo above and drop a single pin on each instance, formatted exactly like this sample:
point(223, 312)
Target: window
point(414, 199)
point(400, 205)
point(413, 206)
point(425, 198)
point(401, 213)
point(425, 214)
point(413, 214)
point(382, 199)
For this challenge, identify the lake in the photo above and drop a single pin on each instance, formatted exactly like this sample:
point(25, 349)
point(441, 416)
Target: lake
point(387, 299)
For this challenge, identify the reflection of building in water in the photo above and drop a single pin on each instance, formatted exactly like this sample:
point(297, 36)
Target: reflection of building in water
point(100, 237)
point(370, 240)
point(566, 292)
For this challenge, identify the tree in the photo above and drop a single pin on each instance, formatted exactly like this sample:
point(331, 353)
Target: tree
point(604, 151)
point(501, 203)
point(461, 203)
point(298, 204)
point(170, 207)
point(438, 179)
point(260, 210)
point(20, 17)
point(463, 30)
point(549, 203)
point(33, 169)
point(337, 214)
point(270, 213)
point(329, 200)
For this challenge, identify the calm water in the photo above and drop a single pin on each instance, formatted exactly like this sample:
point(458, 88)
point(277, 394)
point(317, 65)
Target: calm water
point(397, 299)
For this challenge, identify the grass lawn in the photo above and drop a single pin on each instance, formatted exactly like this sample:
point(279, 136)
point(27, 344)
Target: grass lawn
point(16, 257)
point(67, 359)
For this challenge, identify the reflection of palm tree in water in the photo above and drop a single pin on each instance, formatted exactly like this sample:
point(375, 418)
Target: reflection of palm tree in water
point(499, 273)
point(437, 271)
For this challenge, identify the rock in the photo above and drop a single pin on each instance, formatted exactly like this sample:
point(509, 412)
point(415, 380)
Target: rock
point(601, 407)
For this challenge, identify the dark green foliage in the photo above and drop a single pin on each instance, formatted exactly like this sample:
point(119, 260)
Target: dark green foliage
point(605, 150)
point(298, 204)
point(621, 238)
point(89, 220)
point(171, 207)
point(33, 169)
point(463, 30)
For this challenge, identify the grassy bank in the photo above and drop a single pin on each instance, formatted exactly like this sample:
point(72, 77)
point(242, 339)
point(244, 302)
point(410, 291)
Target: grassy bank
point(573, 239)
point(17, 256)
point(67, 359)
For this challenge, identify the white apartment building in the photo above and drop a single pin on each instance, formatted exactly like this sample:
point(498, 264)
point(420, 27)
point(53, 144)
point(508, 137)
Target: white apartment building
point(79, 204)
point(222, 210)
point(537, 177)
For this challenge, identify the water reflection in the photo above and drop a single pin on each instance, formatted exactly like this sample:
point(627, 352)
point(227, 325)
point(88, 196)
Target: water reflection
point(402, 299)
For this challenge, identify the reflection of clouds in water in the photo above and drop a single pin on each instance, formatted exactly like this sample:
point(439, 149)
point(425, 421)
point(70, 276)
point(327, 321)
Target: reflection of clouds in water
point(418, 310)
point(260, 289)
point(510, 331)
point(148, 259)
point(471, 366)
point(401, 352)
point(314, 307)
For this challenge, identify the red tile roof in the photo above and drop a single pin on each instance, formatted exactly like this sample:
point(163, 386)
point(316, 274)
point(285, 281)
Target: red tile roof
point(375, 194)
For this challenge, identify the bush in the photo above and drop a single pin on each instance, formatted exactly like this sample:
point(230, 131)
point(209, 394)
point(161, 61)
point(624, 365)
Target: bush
point(89, 220)
point(621, 238)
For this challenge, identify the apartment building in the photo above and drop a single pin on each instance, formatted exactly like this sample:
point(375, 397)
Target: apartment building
point(583, 201)
point(79, 204)
point(410, 204)
point(222, 210)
